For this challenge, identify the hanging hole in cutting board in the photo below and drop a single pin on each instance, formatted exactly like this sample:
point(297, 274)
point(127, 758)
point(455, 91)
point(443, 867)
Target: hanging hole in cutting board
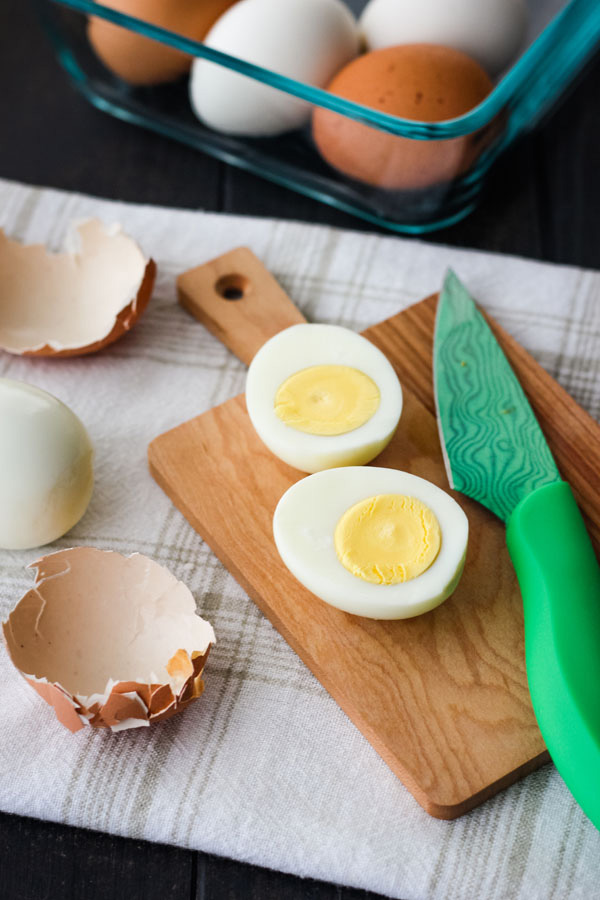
point(233, 287)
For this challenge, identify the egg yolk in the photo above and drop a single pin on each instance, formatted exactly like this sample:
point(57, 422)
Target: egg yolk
point(327, 400)
point(387, 539)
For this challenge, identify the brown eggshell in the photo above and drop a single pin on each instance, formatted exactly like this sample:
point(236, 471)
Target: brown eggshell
point(142, 61)
point(75, 302)
point(422, 82)
point(107, 640)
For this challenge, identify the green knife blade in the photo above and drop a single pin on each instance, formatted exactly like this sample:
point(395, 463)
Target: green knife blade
point(496, 453)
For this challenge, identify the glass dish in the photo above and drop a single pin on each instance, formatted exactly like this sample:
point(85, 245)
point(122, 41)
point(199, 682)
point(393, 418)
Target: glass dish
point(562, 37)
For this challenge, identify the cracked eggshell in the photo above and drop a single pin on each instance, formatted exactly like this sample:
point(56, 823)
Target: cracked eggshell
point(74, 302)
point(108, 640)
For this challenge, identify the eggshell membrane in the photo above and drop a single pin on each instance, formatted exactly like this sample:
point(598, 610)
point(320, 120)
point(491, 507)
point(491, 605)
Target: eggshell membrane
point(422, 82)
point(304, 526)
point(308, 40)
point(143, 61)
point(74, 302)
point(107, 640)
point(489, 31)
point(300, 347)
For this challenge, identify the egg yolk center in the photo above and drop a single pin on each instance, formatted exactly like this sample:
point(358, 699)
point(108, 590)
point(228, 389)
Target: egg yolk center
point(387, 539)
point(327, 400)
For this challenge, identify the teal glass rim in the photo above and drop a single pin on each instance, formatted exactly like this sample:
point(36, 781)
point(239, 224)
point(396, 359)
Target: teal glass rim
point(529, 68)
point(515, 105)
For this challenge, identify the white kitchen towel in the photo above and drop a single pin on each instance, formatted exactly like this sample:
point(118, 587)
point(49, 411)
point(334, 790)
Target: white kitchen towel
point(265, 767)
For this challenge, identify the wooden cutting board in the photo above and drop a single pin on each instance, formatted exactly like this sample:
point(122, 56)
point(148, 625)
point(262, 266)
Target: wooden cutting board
point(443, 697)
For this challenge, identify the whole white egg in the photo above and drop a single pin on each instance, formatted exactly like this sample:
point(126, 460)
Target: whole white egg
point(46, 474)
point(321, 396)
point(489, 31)
point(308, 40)
point(307, 522)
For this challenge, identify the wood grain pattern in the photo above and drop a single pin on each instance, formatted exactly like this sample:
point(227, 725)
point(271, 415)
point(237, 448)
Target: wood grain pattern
point(443, 698)
point(571, 432)
point(238, 300)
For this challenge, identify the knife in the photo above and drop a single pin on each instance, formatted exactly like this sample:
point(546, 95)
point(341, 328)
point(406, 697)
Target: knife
point(496, 453)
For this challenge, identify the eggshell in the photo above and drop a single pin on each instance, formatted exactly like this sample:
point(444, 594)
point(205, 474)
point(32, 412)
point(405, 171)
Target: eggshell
point(46, 467)
point(490, 31)
point(143, 61)
point(107, 640)
point(75, 302)
point(423, 82)
point(308, 40)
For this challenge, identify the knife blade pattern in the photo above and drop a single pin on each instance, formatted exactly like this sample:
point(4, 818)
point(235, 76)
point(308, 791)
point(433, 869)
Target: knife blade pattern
point(494, 448)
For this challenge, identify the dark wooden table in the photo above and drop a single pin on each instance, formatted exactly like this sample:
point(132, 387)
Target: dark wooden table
point(543, 201)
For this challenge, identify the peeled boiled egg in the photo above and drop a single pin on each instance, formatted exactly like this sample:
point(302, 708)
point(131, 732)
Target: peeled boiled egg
point(374, 542)
point(308, 40)
point(143, 61)
point(423, 82)
point(321, 396)
point(46, 475)
point(109, 641)
point(489, 31)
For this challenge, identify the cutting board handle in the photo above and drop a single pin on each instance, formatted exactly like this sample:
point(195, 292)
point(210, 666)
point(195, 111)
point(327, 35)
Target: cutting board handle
point(238, 300)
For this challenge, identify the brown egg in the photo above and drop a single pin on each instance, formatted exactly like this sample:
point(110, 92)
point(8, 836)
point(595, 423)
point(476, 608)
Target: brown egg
point(424, 82)
point(142, 61)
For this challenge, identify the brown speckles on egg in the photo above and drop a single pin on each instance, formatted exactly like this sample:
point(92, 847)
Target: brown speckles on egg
point(423, 82)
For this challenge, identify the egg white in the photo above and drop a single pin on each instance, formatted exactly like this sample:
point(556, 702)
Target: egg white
point(46, 467)
point(300, 347)
point(304, 525)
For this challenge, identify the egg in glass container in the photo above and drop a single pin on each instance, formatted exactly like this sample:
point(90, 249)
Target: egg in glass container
point(374, 542)
point(489, 31)
point(421, 82)
point(308, 40)
point(321, 396)
point(140, 60)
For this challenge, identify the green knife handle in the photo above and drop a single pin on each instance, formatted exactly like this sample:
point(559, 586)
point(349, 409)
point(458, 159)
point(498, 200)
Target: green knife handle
point(559, 578)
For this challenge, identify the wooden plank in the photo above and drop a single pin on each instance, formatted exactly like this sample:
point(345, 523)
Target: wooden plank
point(232, 880)
point(44, 860)
point(443, 698)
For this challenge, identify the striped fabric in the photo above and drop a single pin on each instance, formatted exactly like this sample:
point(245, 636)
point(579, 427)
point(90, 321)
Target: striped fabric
point(265, 767)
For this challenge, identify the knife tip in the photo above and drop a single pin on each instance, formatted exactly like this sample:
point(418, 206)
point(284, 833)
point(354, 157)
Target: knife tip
point(451, 279)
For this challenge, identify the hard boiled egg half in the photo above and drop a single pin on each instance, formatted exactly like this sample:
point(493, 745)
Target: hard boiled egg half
point(374, 542)
point(322, 396)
